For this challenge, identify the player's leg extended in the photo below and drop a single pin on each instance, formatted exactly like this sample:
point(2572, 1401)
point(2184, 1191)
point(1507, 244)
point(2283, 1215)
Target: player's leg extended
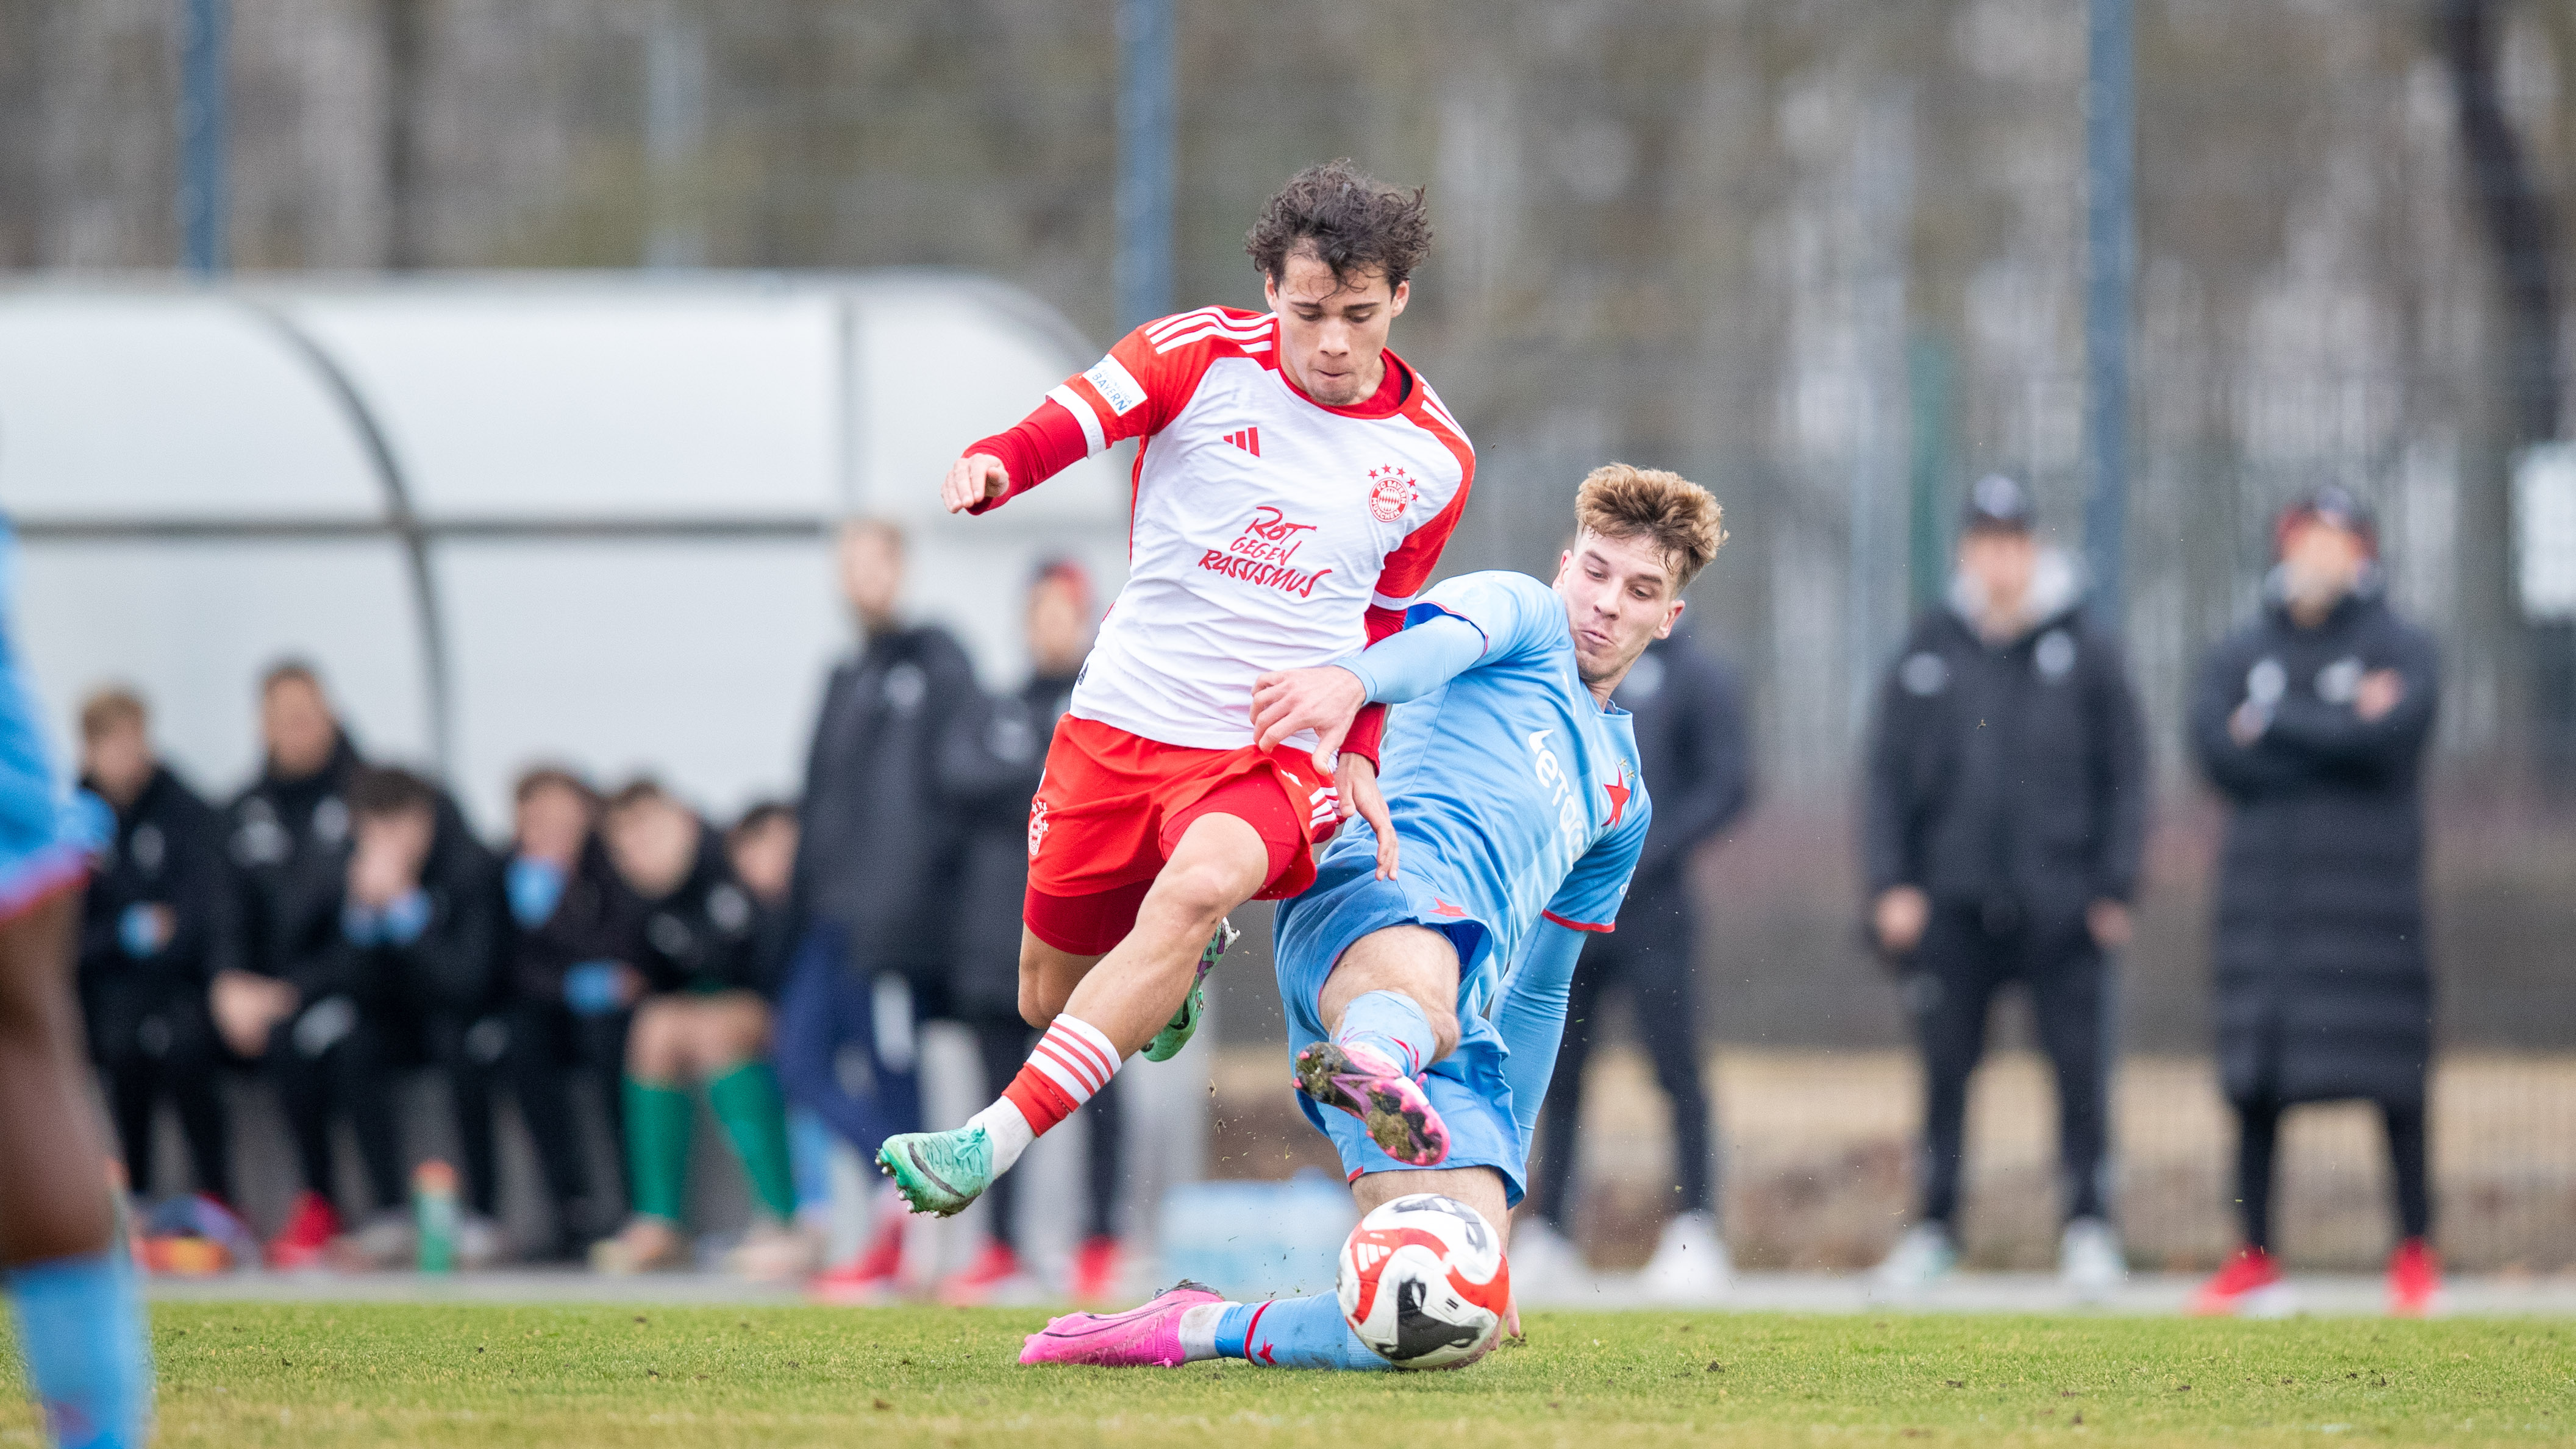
point(1188, 1323)
point(1114, 1006)
point(80, 1325)
point(1390, 1004)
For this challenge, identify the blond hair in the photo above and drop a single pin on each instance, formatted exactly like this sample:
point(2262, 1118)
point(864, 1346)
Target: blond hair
point(1684, 520)
point(109, 710)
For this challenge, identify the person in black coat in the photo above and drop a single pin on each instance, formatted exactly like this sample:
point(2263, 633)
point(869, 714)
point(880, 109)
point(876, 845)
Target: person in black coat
point(150, 932)
point(569, 927)
point(2312, 721)
point(286, 839)
point(1688, 714)
point(701, 998)
point(403, 979)
point(2002, 833)
point(880, 845)
point(996, 774)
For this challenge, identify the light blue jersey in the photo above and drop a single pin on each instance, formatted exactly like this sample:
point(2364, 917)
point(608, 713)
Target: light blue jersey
point(1518, 813)
point(1521, 794)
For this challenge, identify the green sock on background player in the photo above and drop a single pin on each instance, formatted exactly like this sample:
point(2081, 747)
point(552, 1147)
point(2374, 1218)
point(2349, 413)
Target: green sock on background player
point(753, 1112)
point(657, 1147)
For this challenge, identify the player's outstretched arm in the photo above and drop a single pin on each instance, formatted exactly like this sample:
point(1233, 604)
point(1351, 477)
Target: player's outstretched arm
point(1531, 1019)
point(1324, 699)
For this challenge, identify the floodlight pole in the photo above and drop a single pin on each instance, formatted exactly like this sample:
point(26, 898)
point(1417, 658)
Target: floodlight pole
point(2110, 265)
point(205, 201)
point(1145, 146)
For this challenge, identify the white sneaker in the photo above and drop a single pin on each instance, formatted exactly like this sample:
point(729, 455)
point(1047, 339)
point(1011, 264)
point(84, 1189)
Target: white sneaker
point(775, 1252)
point(1690, 1263)
point(1546, 1267)
point(2089, 1260)
point(1925, 1253)
point(478, 1241)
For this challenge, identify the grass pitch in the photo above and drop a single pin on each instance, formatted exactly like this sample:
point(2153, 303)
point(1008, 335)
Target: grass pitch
point(494, 1376)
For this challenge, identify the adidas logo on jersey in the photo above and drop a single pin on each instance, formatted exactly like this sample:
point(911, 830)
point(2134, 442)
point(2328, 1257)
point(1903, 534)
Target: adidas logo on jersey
point(1249, 440)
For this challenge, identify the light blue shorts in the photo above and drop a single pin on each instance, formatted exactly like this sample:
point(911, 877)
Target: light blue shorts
point(1466, 1087)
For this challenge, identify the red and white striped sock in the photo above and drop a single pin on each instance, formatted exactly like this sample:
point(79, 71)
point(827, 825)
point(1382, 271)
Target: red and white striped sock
point(1073, 1061)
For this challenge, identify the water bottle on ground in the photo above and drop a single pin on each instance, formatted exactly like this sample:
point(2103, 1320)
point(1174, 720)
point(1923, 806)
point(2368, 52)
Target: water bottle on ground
point(433, 1202)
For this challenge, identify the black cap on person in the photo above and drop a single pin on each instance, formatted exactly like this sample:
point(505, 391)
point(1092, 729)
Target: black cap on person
point(1998, 503)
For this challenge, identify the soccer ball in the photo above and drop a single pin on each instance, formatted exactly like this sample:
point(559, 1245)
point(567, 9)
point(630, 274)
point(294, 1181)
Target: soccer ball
point(1423, 1283)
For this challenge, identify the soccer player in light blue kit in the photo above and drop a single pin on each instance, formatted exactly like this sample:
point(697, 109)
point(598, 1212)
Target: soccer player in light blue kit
point(71, 1290)
point(1425, 973)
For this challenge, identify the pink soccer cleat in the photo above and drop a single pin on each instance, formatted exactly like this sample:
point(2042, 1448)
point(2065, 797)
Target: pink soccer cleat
point(1356, 1079)
point(1147, 1337)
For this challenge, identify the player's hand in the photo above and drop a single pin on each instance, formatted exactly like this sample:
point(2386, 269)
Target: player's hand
point(1899, 918)
point(247, 1007)
point(974, 479)
point(1324, 699)
point(2110, 923)
point(2380, 691)
point(1356, 782)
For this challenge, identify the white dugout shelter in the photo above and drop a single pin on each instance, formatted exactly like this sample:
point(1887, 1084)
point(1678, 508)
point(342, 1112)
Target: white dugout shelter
point(514, 518)
point(518, 518)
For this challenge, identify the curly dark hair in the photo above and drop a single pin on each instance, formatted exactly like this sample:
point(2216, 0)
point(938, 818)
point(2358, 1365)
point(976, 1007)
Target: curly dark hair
point(1352, 221)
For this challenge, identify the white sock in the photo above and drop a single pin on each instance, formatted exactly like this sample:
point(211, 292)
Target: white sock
point(1198, 1330)
point(1008, 1130)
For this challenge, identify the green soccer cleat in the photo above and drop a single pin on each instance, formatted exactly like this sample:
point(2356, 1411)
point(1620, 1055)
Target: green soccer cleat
point(1184, 1024)
point(939, 1172)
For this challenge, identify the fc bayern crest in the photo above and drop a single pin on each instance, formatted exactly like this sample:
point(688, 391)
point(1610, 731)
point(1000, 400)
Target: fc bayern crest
point(1391, 491)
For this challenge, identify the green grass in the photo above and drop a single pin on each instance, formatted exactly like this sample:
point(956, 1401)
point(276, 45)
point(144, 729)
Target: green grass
point(257, 1374)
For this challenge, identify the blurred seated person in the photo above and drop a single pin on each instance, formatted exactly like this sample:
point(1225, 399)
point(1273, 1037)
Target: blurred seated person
point(152, 928)
point(762, 849)
point(396, 976)
point(702, 1013)
point(287, 846)
point(570, 930)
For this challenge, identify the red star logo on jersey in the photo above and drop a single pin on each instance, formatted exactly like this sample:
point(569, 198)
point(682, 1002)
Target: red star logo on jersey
point(1619, 790)
point(1440, 907)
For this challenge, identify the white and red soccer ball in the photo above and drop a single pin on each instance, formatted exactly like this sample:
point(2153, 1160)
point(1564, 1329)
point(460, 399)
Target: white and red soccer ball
point(1423, 1283)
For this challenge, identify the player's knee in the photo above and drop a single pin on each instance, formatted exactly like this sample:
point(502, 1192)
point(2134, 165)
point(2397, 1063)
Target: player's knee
point(1035, 1009)
point(1198, 892)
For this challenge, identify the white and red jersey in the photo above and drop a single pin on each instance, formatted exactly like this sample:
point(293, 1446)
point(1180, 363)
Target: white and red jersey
point(1269, 530)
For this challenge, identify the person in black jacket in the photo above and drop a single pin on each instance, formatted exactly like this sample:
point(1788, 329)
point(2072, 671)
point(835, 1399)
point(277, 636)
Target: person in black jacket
point(570, 927)
point(702, 1013)
point(2004, 826)
point(150, 929)
point(403, 979)
point(287, 841)
point(880, 843)
point(998, 772)
point(2312, 722)
point(1689, 720)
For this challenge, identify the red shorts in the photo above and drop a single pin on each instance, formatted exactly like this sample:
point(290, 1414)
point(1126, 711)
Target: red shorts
point(1114, 804)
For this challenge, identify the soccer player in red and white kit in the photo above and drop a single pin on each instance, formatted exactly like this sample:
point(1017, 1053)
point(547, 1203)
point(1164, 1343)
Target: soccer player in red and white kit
point(1295, 481)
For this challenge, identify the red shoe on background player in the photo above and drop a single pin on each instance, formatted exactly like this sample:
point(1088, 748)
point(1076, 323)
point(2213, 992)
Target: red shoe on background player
point(1294, 484)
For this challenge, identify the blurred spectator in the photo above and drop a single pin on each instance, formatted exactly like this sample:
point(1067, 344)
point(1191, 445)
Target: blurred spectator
point(404, 980)
point(997, 766)
point(2005, 819)
point(1689, 719)
point(288, 840)
point(762, 848)
point(702, 1013)
point(874, 894)
point(150, 931)
point(2312, 721)
point(569, 930)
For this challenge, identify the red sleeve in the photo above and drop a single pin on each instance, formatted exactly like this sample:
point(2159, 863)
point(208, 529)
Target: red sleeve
point(1038, 447)
point(1368, 727)
point(1133, 392)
